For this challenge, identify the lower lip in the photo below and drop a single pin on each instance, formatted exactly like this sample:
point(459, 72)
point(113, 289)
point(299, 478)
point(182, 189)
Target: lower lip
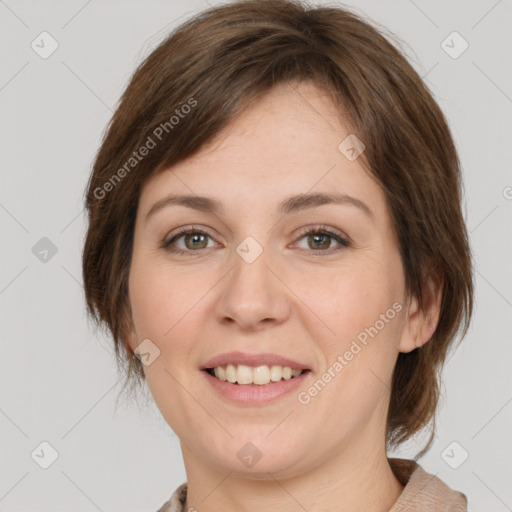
point(253, 394)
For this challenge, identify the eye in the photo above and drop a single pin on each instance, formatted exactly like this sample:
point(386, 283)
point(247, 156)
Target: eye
point(319, 239)
point(196, 239)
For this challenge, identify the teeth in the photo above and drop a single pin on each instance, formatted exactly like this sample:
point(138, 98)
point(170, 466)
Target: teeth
point(244, 374)
point(230, 373)
point(260, 375)
point(276, 373)
point(220, 373)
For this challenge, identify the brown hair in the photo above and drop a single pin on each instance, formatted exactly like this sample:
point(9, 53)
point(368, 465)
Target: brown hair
point(216, 64)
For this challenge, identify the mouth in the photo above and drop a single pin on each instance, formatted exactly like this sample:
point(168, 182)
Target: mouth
point(254, 375)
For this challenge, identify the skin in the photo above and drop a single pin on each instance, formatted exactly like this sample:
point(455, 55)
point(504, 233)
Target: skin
point(294, 300)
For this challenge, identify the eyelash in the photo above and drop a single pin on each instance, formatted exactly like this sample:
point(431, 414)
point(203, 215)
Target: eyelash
point(324, 230)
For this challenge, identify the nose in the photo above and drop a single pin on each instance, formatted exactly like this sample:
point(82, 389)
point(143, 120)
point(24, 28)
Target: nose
point(253, 294)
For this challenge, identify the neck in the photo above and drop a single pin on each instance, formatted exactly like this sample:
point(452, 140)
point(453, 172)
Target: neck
point(344, 482)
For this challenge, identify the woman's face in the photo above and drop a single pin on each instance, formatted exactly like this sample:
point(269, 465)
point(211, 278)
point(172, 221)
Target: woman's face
point(251, 281)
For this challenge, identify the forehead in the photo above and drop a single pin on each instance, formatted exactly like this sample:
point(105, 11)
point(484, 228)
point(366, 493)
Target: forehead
point(285, 143)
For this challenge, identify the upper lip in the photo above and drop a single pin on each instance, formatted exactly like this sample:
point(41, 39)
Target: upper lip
point(268, 359)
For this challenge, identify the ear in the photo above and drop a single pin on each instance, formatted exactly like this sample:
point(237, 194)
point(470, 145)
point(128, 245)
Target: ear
point(420, 324)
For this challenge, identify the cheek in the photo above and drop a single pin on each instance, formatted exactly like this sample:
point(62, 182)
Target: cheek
point(360, 313)
point(346, 303)
point(158, 298)
point(362, 358)
point(168, 306)
point(148, 300)
point(163, 311)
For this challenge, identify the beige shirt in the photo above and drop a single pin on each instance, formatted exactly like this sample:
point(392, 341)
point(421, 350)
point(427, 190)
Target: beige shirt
point(422, 492)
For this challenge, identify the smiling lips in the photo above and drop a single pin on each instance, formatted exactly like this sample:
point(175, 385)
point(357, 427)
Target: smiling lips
point(259, 369)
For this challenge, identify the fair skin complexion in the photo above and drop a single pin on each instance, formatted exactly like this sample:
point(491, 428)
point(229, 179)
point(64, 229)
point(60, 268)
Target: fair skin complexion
point(301, 298)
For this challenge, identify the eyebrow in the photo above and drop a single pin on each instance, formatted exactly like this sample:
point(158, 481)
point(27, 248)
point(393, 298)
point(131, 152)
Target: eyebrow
point(291, 204)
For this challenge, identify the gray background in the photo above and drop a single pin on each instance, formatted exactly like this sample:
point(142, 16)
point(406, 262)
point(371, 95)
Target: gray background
point(58, 381)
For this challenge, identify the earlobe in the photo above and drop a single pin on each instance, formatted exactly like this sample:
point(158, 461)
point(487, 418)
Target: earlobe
point(421, 321)
point(409, 334)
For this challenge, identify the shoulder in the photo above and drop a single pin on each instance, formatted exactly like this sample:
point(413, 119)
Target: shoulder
point(424, 491)
point(176, 503)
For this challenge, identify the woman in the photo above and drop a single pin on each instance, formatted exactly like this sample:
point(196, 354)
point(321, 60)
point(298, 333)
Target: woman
point(277, 246)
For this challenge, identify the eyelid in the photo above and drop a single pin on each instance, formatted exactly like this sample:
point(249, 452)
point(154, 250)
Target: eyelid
point(302, 231)
point(184, 229)
point(322, 228)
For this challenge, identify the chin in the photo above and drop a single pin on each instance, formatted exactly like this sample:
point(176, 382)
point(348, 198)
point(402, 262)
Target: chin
point(256, 459)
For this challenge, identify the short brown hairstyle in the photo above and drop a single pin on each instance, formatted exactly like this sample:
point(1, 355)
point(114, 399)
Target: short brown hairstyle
point(218, 63)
